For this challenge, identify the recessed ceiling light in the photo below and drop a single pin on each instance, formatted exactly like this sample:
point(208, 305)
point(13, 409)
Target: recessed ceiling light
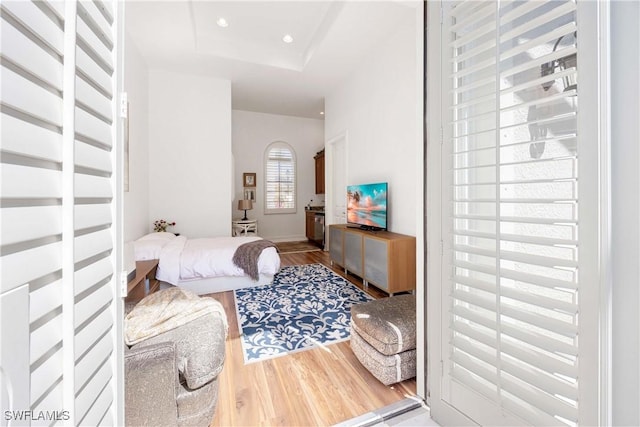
point(287, 38)
point(222, 23)
point(322, 113)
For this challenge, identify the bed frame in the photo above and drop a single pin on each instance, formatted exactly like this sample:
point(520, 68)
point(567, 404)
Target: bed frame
point(220, 284)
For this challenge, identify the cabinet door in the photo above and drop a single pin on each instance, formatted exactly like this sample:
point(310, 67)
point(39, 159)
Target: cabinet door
point(310, 218)
point(376, 262)
point(353, 252)
point(335, 245)
point(320, 174)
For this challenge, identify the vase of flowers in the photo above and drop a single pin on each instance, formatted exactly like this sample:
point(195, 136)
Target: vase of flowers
point(161, 225)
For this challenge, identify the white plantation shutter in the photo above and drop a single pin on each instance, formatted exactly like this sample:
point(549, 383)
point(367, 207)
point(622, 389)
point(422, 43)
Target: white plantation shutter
point(511, 229)
point(58, 207)
point(280, 178)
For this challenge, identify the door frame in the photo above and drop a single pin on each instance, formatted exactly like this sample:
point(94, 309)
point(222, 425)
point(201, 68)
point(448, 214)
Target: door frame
point(330, 165)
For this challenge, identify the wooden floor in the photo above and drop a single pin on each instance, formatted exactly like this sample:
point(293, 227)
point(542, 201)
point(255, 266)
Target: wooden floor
point(323, 386)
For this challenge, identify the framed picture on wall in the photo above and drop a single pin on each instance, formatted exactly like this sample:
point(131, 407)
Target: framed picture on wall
point(250, 194)
point(249, 179)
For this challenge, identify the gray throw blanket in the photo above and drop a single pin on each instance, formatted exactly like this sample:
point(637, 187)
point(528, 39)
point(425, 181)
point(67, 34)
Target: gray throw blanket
point(247, 254)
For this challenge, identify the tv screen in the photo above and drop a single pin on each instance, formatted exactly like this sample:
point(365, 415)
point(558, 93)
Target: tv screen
point(367, 205)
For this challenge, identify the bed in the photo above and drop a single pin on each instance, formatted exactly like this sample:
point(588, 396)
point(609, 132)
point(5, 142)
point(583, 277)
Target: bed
point(204, 265)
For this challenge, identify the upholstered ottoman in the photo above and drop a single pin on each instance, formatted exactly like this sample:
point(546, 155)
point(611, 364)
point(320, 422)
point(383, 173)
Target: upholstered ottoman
point(383, 337)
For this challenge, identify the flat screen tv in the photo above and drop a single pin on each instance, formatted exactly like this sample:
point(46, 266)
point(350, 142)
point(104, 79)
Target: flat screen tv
point(367, 206)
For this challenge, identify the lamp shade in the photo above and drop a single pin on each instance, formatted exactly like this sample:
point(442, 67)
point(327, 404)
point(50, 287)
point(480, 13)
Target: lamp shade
point(245, 204)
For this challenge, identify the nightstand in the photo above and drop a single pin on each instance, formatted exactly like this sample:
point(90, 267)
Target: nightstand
point(145, 281)
point(241, 227)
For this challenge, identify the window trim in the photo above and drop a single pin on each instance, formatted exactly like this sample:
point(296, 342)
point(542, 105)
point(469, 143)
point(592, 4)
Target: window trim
point(294, 209)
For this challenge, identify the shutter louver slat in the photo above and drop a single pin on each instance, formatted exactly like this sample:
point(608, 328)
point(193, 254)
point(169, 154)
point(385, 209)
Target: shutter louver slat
point(540, 399)
point(533, 376)
point(467, 87)
point(92, 390)
point(519, 11)
point(51, 398)
point(89, 39)
point(46, 375)
point(540, 341)
point(84, 365)
point(536, 63)
point(550, 363)
point(551, 36)
point(45, 338)
point(484, 10)
point(26, 17)
point(87, 94)
point(88, 69)
point(486, 269)
point(106, 9)
point(30, 223)
point(541, 301)
point(42, 260)
point(476, 51)
point(21, 137)
point(45, 299)
point(553, 365)
point(92, 127)
point(475, 299)
point(539, 321)
point(484, 370)
point(540, 20)
point(24, 95)
point(462, 8)
point(471, 331)
point(472, 351)
point(474, 34)
point(475, 283)
point(27, 54)
point(537, 279)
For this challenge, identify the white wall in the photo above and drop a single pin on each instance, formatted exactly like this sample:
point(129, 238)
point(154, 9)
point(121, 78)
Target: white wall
point(377, 106)
point(625, 256)
point(190, 153)
point(252, 133)
point(136, 200)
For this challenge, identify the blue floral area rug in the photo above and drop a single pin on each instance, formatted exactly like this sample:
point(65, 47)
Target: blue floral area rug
point(305, 306)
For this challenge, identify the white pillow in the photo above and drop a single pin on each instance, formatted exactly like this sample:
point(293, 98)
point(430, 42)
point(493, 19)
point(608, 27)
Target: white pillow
point(149, 246)
point(163, 235)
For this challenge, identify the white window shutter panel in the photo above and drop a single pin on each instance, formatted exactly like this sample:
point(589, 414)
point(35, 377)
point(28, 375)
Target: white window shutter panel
point(280, 178)
point(510, 224)
point(59, 210)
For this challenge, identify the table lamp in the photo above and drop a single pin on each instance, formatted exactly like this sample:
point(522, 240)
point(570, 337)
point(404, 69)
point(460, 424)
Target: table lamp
point(245, 205)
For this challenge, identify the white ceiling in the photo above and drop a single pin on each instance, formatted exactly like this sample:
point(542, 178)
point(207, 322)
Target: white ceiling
point(267, 75)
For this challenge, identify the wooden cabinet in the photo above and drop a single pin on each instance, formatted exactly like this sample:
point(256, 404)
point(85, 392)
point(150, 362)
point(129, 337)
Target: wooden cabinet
point(314, 227)
point(319, 157)
point(145, 281)
point(384, 259)
point(310, 217)
point(336, 251)
point(352, 243)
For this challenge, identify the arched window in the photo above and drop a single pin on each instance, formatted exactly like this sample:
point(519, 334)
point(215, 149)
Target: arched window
point(280, 178)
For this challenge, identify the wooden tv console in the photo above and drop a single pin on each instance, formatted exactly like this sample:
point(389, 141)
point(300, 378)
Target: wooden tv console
point(384, 259)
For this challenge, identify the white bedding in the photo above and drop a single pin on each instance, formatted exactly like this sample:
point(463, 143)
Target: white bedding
point(183, 260)
point(149, 246)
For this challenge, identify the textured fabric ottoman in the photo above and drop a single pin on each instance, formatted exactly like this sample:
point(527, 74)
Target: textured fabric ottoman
point(383, 337)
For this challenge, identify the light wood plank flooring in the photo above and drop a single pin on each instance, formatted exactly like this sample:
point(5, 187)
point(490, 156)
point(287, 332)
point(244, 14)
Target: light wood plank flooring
point(323, 386)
